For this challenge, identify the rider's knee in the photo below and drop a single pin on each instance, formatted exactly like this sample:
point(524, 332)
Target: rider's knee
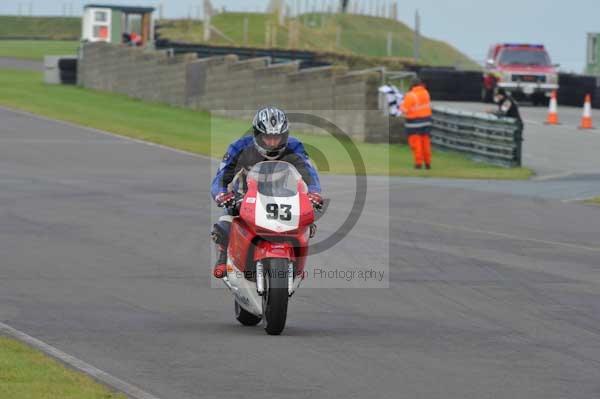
point(220, 232)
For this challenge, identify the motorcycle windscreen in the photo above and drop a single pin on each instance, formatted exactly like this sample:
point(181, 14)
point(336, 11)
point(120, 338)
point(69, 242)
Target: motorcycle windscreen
point(278, 201)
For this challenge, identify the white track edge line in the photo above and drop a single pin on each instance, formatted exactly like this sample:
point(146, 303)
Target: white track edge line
point(97, 374)
point(579, 199)
point(503, 235)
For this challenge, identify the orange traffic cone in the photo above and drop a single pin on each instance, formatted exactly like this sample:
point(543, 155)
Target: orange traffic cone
point(586, 118)
point(552, 118)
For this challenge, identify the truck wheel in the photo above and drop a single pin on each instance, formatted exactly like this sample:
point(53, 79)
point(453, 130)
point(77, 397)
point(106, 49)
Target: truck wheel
point(244, 317)
point(487, 96)
point(275, 298)
point(540, 99)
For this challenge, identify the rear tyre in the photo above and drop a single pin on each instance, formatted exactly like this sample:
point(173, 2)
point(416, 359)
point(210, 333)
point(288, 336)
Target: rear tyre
point(275, 298)
point(244, 317)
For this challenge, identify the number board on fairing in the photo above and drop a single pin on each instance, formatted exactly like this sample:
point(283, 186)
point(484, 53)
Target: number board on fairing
point(281, 212)
point(277, 213)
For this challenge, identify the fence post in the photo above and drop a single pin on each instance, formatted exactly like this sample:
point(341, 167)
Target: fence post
point(245, 30)
point(292, 34)
point(519, 145)
point(207, 15)
point(281, 13)
point(267, 34)
point(417, 35)
point(389, 44)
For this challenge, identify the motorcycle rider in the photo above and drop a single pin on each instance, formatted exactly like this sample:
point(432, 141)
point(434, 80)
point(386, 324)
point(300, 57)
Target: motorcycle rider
point(269, 141)
point(507, 106)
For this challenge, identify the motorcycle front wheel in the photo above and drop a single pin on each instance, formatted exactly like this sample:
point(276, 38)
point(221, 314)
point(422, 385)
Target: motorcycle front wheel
point(275, 298)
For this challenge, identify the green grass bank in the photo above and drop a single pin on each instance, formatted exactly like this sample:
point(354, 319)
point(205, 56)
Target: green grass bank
point(593, 201)
point(28, 374)
point(200, 133)
point(36, 49)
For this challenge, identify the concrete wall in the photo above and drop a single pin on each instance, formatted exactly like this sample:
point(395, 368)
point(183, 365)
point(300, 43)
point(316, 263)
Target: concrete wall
point(131, 71)
point(236, 88)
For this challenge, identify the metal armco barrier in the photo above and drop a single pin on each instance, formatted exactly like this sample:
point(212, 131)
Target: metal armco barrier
point(308, 59)
point(483, 137)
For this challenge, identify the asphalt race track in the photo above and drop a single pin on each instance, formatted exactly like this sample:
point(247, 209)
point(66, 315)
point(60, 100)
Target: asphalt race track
point(14, 63)
point(105, 255)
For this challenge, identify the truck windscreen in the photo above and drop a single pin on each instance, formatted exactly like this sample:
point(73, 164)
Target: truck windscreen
point(524, 57)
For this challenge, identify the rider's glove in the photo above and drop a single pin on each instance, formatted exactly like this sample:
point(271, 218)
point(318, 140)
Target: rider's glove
point(316, 200)
point(225, 200)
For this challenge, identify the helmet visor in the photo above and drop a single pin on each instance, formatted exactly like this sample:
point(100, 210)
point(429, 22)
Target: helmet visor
point(272, 142)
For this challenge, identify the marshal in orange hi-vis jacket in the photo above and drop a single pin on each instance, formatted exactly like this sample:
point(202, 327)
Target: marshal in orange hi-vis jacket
point(416, 108)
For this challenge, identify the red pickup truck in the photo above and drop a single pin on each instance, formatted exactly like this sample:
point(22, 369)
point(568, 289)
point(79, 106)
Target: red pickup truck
point(524, 70)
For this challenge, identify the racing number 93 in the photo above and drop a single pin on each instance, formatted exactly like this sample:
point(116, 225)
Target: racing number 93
point(273, 212)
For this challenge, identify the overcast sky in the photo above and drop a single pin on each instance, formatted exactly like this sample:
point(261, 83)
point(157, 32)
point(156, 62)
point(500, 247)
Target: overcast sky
point(469, 25)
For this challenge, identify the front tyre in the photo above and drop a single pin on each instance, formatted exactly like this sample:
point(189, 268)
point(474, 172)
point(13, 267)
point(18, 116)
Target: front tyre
point(275, 298)
point(244, 317)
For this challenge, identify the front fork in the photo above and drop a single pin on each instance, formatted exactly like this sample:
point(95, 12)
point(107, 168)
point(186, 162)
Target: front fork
point(260, 279)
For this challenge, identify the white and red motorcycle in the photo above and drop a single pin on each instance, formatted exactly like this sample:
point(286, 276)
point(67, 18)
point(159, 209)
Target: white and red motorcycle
point(268, 244)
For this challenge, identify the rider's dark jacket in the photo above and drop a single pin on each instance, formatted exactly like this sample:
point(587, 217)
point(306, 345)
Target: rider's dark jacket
point(242, 154)
point(508, 107)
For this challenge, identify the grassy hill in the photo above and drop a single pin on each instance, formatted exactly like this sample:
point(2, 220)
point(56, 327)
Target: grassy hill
point(51, 28)
point(358, 34)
